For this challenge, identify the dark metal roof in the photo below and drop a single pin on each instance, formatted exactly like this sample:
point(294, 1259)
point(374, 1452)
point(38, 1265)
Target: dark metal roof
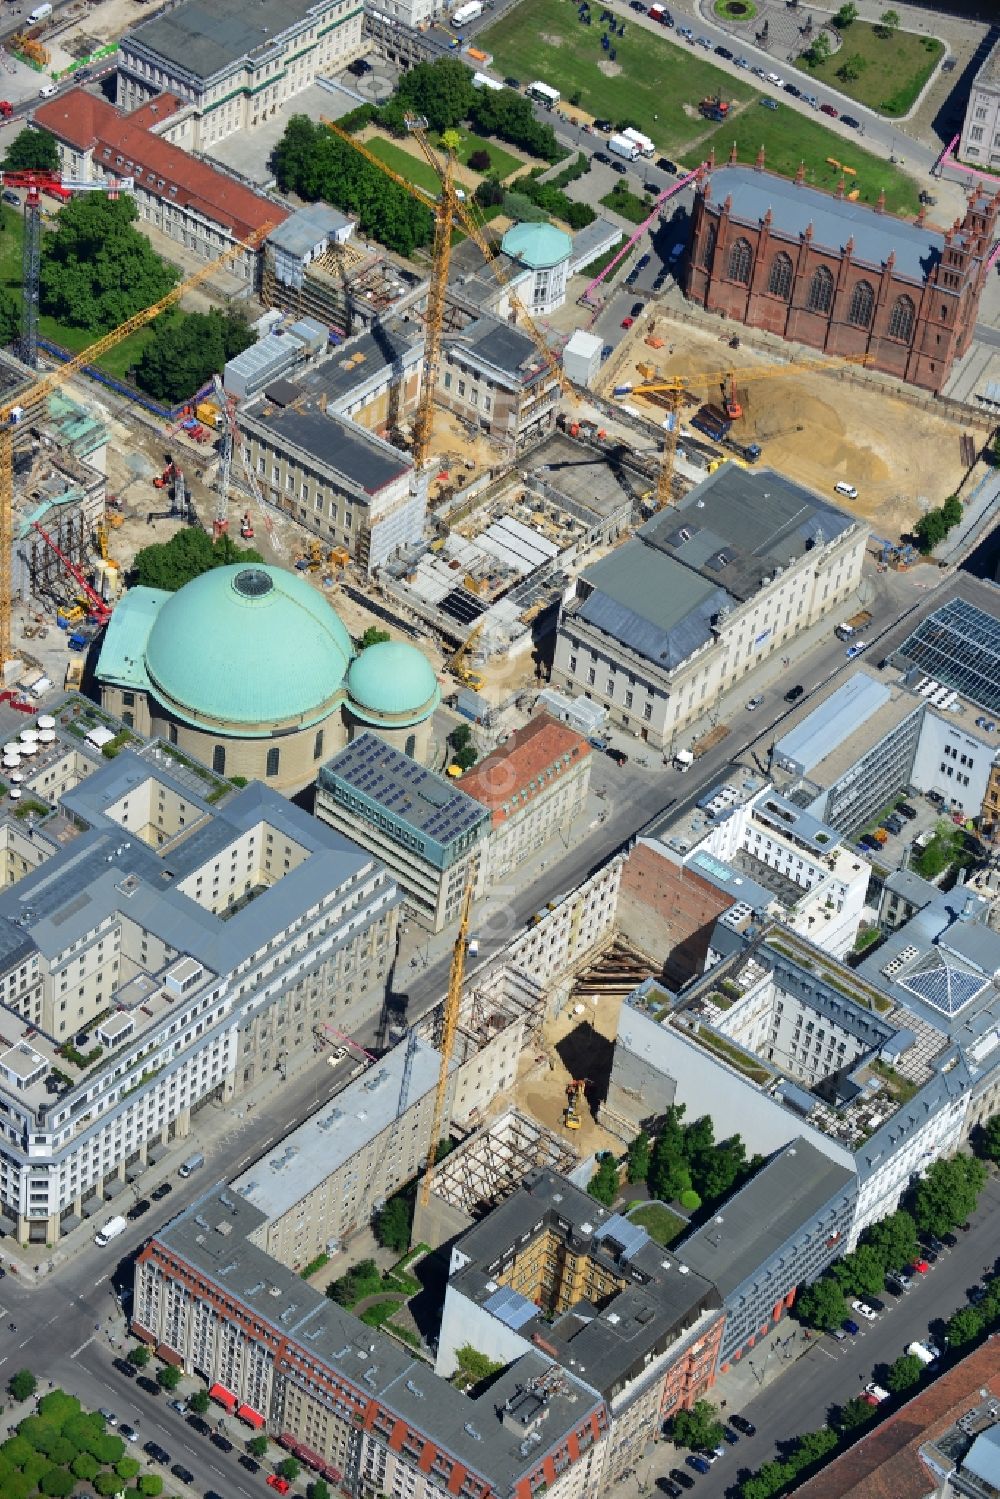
point(652, 604)
point(202, 37)
point(358, 455)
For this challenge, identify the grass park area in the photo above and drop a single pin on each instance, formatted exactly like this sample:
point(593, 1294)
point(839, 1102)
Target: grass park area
point(627, 203)
point(891, 70)
point(502, 162)
point(659, 82)
point(658, 1221)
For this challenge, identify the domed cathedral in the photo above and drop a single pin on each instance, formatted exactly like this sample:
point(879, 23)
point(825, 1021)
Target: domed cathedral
point(249, 670)
point(854, 281)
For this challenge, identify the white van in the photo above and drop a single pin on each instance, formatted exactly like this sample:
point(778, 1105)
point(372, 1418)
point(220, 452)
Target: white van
point(39, 13)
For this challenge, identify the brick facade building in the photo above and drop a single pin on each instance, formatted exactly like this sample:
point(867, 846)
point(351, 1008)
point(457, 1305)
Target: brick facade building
point(850, 280)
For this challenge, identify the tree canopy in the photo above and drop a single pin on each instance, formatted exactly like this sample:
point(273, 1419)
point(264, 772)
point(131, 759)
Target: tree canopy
point(603, 1185)
point(948, 1193)
point(904, 1373)
point(894, 1240)
point(392, 1225)
point(32, 151)
point(189, 553)
point(186, 349)
point(698, 1427)
point(861, 1273)
point(96, 269)
point(822, 1305)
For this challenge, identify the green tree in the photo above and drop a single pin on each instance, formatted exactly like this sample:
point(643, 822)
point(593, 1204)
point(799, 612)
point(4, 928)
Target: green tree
point(603, 1185)
point(139, 1355)
point(32, 151)
point(821, 1305)
point(289, 1468)
point(489, 193)
point(392, 1225)
point(770, 1479)
point(168, 1378)
point(189, 553)
point(846, 16)
point(811, 1447)
point(109, 1448)
point(85, 1466)
point(127, 1467)
point(198, 1402)
point(818, 50)
point(986, 1139)
point(929, 530)
point(716, 1171)
point(639, 1155)
point(853, 1413)
point(904, 1373)
point(151, 1484)
point(473, 1366)
point(318, 1489)
point(97, 270)
point(894, 1240)
point(888, 22)
point(107, 1484)
point(852, 67)
point(964, 1326)
point(57, 1483)
point(951, 511)
point(668, 1175)
point(698, 1427)
point(257, 1445)
point(466, 758)
point(22, 1385)
point(460, 736)
point(11, 316)
point(373, 636)
point(860, 1273)
point(510, 117)
point(441, 91)
point(186, 349)
point(948, 1193)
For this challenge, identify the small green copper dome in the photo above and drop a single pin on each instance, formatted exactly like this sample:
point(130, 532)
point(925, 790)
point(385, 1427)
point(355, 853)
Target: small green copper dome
point(392, 680)
point(247, 645)
point(537, 245)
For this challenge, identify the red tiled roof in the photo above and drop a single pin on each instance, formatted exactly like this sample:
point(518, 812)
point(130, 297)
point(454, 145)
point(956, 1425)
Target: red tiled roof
point(886, 1465)
point(510, 769)
point(88, 123)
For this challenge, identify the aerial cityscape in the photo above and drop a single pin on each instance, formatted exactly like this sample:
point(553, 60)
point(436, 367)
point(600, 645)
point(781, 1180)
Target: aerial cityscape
point(500, 721)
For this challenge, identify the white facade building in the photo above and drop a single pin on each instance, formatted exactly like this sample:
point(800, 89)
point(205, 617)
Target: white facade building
point(980, 141)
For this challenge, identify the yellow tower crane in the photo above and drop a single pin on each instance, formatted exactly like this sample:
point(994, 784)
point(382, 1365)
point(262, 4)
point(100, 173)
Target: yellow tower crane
point(674, 386)
point(447, 208)
point(28, 403)
point(446, 1039)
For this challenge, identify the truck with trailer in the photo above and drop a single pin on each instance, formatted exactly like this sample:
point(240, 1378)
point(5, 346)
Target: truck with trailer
point(643, 142)
point(713, 421)
point(483, 80)
point(622, 146)
point(470, 11)
point(111, 1230)
point(851, 626)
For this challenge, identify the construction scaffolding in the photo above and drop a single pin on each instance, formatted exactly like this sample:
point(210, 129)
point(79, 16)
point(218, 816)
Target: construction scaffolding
point(490, 1166)
point(349, 287)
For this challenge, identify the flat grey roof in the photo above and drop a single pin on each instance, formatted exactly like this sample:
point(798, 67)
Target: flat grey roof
point(303, 230)
point(826, 727)
point(362, 358)
point(503, 346)
point(651, 603)
point(739, 525)
point(796, 208)
point(336, 1132)
point(349, 450)
point(203, 37)
point(755, 1222)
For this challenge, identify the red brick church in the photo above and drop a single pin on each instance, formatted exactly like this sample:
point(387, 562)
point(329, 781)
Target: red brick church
point(839, 276)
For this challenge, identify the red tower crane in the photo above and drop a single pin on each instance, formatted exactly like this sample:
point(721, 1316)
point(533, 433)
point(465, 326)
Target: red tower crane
point(98, 607)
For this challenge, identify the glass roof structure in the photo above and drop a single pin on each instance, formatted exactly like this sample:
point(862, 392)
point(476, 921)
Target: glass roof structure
point(947, 988)
point(959, 646)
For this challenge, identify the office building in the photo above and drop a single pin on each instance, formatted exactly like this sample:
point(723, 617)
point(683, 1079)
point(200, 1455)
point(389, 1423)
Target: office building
point(980, 142)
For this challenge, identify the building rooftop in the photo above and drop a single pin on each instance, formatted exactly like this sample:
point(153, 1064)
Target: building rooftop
point(213, 1237)
point(739, 526)
point(393, 679)
point(367, 357)
point(825, 727)
point(524, 766)
point(660, 1301)
point(903, 1457)
point(755, 1222)
point(958, 645)
point(501, 346)
point(365, 461)
point(202, 38)
point(125, 146)
point(988, 75)
point(307, 227)
point(653, 604)
point(798, 210)
point(537, 245)
point(337, 1131)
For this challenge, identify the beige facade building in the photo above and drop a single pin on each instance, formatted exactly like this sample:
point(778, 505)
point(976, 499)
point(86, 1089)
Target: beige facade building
point(707, 590)
point(980, 141)
point(492, 375)
point(534, 784)
point(235, 66)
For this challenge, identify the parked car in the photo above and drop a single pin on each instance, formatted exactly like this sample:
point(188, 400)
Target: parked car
point(275, 1481)
point(849, 1325)
point(109, 1416)
point(604, 125)
point(157, 1453)
point(620, 168)
point(877, 1393)
point(180, 1406)
point(636, 309)
point(730, 1435)
point(743, 1425)
point(828, 109)
point(794, 693)
point(199, 1424)
point(510, 82)
point(184, 1474)
point(753, 704)
point(666, 165)
point(668, 1487)
point(905, 810)
point(842, 487)
point(856, 649)
point(684, 1479)
point(603, 158)
point(851, 122)
point(641, 265)
point(223, 1443)
point(138, 1208)
point(163, 1190)
point(949, 1240)
point(977, 1294)
point(246, 1461)
point(698, 1463)
point(922, 1265)
point(931, 1241)
point(724, 52)
point(128, 1432)
point(793, 89)
point(864, 1310)
point(769, 103)
point(741, 62)
point(149, 1385)
point(124, 1367)
point(811, 100)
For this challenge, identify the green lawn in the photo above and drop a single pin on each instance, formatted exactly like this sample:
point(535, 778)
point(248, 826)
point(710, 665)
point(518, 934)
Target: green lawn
point(628, 204)
point(659, 1222)
point(891, 70)
point(502, 162)
point(11, 241)
point(789, 137)
point(117, 361)
point(410, 167)
point(543, 39)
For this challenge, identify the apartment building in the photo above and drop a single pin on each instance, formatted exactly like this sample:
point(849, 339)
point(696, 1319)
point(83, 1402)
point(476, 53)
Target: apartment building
point(204, 210)
point(235, 67)
point(534, 785)
point(167, 952)
point(346, 1399)
point(705, 592)
point(551, 1269)
point(421, 825)
point(493, 377)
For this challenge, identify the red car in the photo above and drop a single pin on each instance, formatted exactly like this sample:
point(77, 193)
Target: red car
point(627, 322)
point(275, 1481)
point(921, 1266)
point(828, 109)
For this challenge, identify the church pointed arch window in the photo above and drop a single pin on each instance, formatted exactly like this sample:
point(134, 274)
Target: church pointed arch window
point(779, 282)
point(901, 319)
point(820, 298)
point(859, 314)
point(740, 261)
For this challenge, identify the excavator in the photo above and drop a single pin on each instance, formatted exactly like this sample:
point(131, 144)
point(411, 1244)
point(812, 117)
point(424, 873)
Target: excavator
point(575, 1092)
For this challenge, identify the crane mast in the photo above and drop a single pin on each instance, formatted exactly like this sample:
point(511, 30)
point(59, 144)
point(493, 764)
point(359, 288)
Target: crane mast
point(446, 1040)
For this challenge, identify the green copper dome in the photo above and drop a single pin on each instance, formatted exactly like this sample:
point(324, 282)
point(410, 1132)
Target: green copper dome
point(537, 245)
point(392, 680)
point(247, 644)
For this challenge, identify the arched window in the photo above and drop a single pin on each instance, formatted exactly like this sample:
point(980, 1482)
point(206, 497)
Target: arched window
point(820, 297)
point(862, 305)
point(273, 758)
point(901, 319)
point(779, 283)
point(318, 745)
point(708, 246)
point(219, 759)
point(740, 261)
point(411, 746)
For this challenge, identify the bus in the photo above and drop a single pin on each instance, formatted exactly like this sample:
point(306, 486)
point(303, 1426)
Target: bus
point(544, 94)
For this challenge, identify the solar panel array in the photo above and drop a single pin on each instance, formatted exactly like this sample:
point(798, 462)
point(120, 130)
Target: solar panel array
point(408, 791)
point(959, 645)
